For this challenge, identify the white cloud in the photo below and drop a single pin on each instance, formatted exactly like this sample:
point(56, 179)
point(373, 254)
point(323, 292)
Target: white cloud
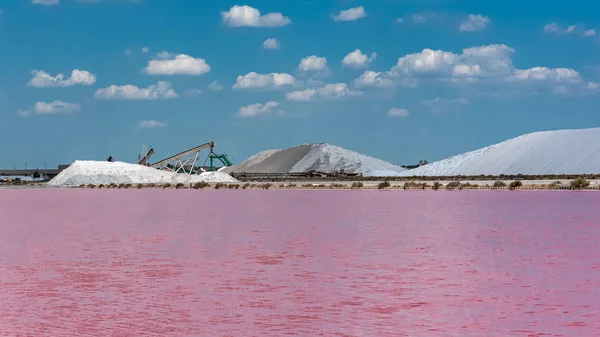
point(373, 79)
point(127, 52)
point(439, 104)
point(52, 108)
point(145, 50)
point(257, 109)
point(46, 2)
point(554, 28)
point(593, 86)
point(475, 62)
point(492, 62)
point(151, 124)
point(418, 18)
point(165, 55)
point(246, 16)
point(303, 95)
point(337, 90)
point(357, 59)
point(313, 63)
point(161, 90)
point(351, 14)
point(398, 112)
point(329, 91)
point(474, 23)
point(253, 80)
point(271, 44)
point(41, 79)
point(215, 86)
point(560, 89)
point(399, 20)
point(193, 92)
point(178, 65)
point(544, 74)
point(589, 32)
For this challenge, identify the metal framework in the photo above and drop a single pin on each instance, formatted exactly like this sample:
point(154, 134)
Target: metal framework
point(184, 162)
point(145, 155)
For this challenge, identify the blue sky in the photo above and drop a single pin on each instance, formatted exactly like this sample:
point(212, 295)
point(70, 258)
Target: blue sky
point(423, 79)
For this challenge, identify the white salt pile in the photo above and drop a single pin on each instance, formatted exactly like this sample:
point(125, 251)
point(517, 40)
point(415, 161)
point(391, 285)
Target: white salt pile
point(538, 153)
point(106, 173)
point(320, 157)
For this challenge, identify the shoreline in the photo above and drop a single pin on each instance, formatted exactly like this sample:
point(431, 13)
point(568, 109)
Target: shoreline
point(540, 185)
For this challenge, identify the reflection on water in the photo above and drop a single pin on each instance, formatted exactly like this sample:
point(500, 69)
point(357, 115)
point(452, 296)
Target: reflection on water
point(309, 263)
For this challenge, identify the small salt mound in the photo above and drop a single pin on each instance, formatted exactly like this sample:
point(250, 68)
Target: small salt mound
point(104, 172)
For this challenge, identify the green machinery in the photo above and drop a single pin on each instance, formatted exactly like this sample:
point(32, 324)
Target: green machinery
point(222, 158)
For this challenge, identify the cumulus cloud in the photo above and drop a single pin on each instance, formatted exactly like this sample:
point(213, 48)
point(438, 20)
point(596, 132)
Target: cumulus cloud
point(593, 86)
point(418, 18)
point(165, 55)
point(556, 29)
point(254, 80)
point(492, 63)
point(46, 2)
point(439, 104)
point(257, 109)
point(151, 124)
point(302, 95)
point(337, 90)
point(246, 16)
point(177, 65)
point(51, 108)
point(357, 59)
point(161, 90)
point(193, 92)
point(215, 86)
point(271, 44)
point(313, 63)
point(145, 50)
point(42, 79)
point(373, 79)
point(394, 112)
point(399, 20)
point(474, 23)
point(329, 91)
point(544, 74)
point(351, 14)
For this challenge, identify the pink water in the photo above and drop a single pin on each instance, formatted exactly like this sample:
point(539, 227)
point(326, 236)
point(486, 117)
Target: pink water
point(308, 263)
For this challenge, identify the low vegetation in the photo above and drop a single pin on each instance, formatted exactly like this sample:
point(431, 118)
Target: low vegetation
point(356, 185)
point(467, 186)
point(453, 185)
point(579, 183)
point(514, 185)
point(436, 185)
point(200, 185)
point(499, 184)
point(384, 184)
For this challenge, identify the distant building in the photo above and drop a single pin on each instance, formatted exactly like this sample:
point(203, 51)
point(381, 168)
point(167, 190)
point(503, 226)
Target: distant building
point(44, 174)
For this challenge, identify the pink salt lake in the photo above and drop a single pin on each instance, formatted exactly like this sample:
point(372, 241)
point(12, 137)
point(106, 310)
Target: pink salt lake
point(304, 263)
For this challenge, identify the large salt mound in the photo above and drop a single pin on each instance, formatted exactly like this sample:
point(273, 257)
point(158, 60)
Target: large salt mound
point(104, 172)
point(318, 157)
point(538, 153)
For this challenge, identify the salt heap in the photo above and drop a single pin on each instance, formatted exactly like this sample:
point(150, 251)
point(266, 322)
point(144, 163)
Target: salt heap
point(83, 172)
point(320, 157)
point(538, 153)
